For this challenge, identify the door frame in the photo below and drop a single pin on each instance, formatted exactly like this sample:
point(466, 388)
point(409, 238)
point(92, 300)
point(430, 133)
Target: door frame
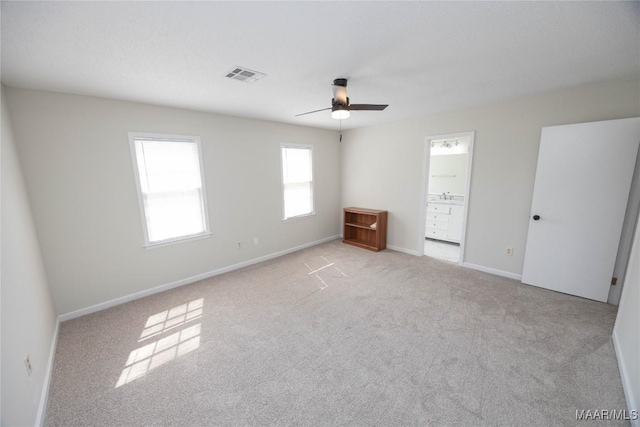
point(426, 159)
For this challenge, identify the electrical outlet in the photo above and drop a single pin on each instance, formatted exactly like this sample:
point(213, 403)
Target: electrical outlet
point(239, 245)
point(508, 251)
point(27, 364)
point(256, 241)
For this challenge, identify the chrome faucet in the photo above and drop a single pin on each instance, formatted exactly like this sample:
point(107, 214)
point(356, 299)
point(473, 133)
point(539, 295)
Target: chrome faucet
point(444, 196)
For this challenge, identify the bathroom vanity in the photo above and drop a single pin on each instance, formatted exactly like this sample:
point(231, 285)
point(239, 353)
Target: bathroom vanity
point(444, 219)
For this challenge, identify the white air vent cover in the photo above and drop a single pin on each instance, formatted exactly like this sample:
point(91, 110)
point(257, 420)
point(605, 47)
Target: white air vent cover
point(244, 74)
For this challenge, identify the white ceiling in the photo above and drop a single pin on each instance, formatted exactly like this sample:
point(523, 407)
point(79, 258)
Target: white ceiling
point(419, 57)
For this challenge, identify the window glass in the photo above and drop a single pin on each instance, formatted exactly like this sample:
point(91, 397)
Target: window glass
point(170, 187)
point(297, 180)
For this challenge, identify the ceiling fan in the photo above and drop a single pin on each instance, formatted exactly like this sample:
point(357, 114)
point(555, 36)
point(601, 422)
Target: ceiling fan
point(340, 107)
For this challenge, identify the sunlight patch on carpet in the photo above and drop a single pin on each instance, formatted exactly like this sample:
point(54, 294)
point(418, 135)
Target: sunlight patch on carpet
point(164, 321)
point(327, 265)
point(164, 350)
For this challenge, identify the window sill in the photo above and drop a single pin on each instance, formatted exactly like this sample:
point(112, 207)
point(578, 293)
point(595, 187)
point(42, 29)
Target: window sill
point(299, 217)
point(184, 239)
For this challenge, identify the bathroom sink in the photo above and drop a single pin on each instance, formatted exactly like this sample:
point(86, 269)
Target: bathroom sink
point(447, 202)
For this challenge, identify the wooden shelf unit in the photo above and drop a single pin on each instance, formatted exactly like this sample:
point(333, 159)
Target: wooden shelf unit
point(357, 229)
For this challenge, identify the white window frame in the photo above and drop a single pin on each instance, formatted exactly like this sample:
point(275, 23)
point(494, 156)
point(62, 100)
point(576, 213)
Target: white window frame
point(313, 182)
point(136, 172)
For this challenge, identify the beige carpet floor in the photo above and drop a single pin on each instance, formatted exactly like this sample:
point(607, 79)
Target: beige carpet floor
point(336, 335)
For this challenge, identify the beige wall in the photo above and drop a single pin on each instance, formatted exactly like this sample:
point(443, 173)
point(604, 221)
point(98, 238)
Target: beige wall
point(78, 170)
point(382, 165)
point(28, 316)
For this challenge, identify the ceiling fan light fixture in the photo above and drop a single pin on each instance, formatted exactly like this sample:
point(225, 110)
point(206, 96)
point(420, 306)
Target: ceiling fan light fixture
point(340, 94)
point(340, 114)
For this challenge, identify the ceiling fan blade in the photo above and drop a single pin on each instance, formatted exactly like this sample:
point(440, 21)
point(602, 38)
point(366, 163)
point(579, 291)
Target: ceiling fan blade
point(309, 112)
point(370, 107)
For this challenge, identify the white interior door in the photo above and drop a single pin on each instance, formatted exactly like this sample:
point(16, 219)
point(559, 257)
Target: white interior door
point(579, 199)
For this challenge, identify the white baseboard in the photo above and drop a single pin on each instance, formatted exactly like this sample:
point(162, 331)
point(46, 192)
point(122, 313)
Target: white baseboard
point(626, 381)
point(495, 271)
point(188, 280)
point(44, 396)
point(397, 249)
point(403, 250)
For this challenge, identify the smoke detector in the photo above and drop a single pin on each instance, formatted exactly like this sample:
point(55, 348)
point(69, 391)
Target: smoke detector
point(244, 74)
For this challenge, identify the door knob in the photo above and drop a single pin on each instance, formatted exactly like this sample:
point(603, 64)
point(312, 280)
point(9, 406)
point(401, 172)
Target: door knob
point(536, 217)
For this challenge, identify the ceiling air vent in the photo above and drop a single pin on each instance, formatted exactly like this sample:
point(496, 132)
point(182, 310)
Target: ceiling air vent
point(244, 74)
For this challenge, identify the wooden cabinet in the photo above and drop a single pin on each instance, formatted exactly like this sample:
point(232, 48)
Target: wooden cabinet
point(444, 222)
point(357, 230)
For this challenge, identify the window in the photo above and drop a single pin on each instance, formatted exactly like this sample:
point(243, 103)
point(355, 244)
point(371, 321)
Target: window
point(170, 186)
point(297, 180)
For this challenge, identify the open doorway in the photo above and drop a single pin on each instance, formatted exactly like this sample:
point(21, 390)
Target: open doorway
point(445, 196)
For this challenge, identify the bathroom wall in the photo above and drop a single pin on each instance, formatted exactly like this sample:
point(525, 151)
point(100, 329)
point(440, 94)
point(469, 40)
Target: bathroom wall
point(448, 174)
